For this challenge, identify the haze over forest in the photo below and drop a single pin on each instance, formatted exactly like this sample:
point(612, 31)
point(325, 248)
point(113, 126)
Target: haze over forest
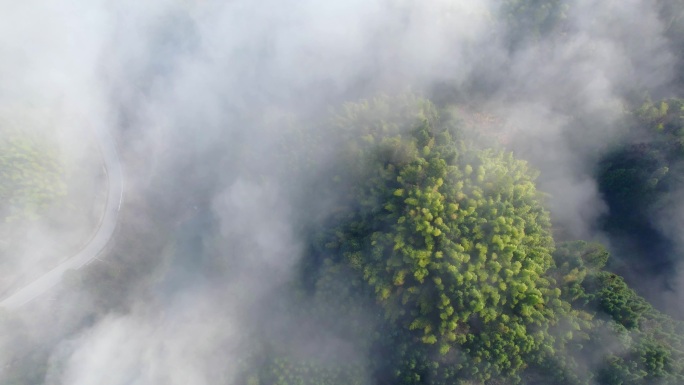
point(343, 192)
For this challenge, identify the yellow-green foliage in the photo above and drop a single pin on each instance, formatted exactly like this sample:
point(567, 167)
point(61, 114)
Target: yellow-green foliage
point(31, 175)
point(454, 241)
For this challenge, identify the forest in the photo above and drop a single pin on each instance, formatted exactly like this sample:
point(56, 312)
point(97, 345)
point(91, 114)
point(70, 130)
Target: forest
point(345, 231)
point(451, 247)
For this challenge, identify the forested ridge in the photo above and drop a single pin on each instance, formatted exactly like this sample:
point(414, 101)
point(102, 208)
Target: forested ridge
point(453, 245)
point(639, 181)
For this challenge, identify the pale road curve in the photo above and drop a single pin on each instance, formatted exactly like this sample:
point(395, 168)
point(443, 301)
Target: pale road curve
point(97, 243)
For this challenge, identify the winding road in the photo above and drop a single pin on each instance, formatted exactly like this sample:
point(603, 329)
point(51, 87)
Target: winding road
point(96, 244)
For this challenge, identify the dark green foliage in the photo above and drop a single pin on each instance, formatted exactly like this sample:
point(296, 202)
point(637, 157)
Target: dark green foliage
point(574, 261)
point(617, 300)
point(637, 180)
point(646, 362)
point(634, 343)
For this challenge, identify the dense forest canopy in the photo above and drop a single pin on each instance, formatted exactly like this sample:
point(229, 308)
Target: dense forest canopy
point(641, 180)
point(453, 241)
point(444, 249)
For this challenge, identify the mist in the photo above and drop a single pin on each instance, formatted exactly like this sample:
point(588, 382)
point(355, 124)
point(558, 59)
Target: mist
point(201, 98)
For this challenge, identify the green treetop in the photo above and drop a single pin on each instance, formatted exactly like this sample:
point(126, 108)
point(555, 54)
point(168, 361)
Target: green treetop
point(453, 240)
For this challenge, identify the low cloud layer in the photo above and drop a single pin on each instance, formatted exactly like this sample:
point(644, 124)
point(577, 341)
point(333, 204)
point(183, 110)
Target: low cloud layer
point(198, 95)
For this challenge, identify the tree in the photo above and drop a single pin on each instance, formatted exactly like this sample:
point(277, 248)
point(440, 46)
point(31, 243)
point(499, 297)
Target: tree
point(453, 241)
point(31, 175)
point(637, 181)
